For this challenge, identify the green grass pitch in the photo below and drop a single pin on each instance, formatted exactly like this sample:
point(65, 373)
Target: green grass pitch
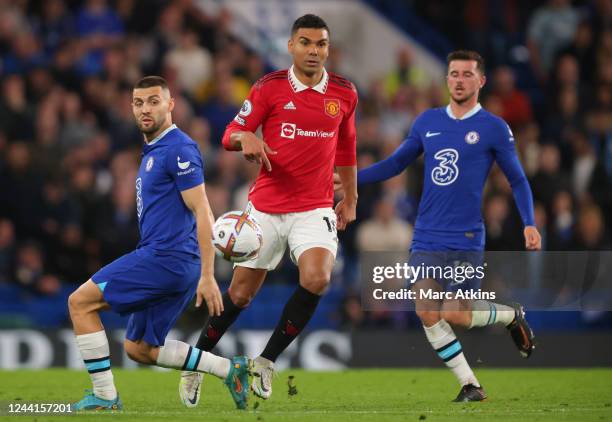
point(352, 395)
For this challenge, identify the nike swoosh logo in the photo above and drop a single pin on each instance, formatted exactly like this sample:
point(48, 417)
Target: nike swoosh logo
point(195, 396)
point(238, 388)
point(430, 134)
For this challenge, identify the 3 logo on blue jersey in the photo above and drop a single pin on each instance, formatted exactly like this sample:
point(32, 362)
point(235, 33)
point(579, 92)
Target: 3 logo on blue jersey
point(139, 204)
point(149, 165)
point(446, 172)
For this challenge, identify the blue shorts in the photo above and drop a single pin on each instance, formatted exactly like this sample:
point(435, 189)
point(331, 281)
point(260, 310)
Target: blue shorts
point(153, 289)
point(449, 267)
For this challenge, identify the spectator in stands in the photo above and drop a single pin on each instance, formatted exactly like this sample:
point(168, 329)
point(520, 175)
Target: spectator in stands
point(582, 48)
point(405, 73)
point(515, 104)
point(192, 62)
point(54, 26)
point(98, 27)
point(16, 113)
point(562, 224)
point(549, 180)
point(384, 231)
point(7, 249)
point(551, 28)
point(590, 230)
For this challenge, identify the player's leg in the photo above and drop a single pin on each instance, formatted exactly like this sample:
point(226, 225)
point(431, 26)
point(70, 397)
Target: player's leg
point(246, 281)
point(481, 313)
point(315, 266)
point(176, 354)
point(443, 340)
point(245, 284)
point(313, 243)
point(484, 312)
point(176, 282)
point(84, 305)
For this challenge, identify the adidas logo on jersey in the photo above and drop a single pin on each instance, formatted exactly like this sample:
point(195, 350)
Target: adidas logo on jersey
point(289, 106)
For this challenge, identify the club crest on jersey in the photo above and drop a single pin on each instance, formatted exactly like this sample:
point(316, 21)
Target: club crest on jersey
point(332, 107)
point(246, 108)
point(149, 165)
point(472, 137)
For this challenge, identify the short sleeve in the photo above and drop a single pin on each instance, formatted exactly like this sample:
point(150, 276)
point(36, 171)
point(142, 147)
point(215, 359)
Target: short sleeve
point(346, 154)
point(251, 114)
point(185, 165)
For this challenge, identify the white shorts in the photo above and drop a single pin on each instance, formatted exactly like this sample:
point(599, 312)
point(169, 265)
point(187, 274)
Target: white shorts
point(298, 230)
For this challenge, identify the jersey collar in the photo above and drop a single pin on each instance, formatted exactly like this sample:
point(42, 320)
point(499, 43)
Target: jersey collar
point(467, 115)
point(161, 135)
point(299, 86)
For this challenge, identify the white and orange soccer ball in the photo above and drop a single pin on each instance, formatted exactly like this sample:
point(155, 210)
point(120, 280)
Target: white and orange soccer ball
point(237, 236)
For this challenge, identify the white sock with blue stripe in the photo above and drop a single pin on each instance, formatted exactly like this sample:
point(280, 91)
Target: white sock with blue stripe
point(448, 348)
point(95, 352)
point(178, 355)
point(488, 313)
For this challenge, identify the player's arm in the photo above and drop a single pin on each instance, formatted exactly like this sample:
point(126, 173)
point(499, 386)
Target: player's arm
point(239, 134)
point(507, 159)
point(402, 157)
point(196, 200)
point(184, 164)
point(346, 166)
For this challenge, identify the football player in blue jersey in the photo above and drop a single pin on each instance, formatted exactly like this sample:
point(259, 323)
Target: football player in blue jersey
point(459, 142)
point(173, 261)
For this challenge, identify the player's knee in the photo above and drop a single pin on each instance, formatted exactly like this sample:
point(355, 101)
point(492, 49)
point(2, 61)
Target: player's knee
point(138, 353)
point(315, 280)
point(428, 317)
point(454, 317)
point(241, 297)
point(75, 302)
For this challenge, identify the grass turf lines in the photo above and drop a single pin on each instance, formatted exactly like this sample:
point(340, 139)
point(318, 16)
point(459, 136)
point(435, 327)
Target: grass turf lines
point(352, 395)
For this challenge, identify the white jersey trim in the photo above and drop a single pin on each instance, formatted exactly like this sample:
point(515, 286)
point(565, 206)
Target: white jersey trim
point(161, 135)
point(467, 115)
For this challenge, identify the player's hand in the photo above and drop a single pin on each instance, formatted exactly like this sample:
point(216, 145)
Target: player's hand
point(533, 240)
point(256, 150)
point(208, 289)
point(337, 183)
point(346, 212)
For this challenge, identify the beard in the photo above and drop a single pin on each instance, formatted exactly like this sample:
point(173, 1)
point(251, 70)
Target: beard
point(151, 129)
point(462, 100)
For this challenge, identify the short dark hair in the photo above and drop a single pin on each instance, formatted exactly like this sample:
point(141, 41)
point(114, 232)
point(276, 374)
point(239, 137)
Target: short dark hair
point(150, 81)
point(467, 55)
point(309, 21)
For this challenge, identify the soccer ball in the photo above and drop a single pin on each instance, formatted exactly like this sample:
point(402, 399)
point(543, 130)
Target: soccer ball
point(237, 236)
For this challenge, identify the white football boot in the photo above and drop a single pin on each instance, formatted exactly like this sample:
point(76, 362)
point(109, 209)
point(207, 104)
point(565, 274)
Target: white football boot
point(263, 372)
point(189, 388)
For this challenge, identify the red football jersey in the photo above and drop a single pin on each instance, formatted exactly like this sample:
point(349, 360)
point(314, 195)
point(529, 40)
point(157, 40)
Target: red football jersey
point(311, 129)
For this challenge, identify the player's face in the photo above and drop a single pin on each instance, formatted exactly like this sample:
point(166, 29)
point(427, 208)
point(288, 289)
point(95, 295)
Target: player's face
point(152, 107)
point(309, 48)
point(464, 80)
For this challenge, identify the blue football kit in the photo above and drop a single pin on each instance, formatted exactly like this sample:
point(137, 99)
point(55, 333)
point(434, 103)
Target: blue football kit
point(155, 282)
point(458, 155)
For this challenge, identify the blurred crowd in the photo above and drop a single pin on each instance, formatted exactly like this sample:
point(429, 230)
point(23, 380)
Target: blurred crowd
point(69, 149)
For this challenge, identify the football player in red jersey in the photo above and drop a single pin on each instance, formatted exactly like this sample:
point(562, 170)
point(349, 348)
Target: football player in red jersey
point(307, 116)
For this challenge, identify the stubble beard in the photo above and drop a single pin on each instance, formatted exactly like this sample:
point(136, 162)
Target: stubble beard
point(148, 131)
point(461, 101)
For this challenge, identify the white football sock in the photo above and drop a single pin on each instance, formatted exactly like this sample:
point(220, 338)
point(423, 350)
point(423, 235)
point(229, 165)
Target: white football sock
point(178, 355)
point(95, 352)
point(448, 348)
point(488, 313)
